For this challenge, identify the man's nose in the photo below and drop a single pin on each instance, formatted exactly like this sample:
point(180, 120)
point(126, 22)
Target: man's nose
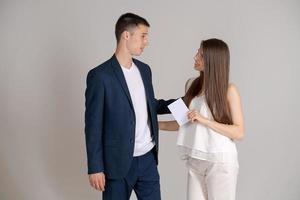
point(146, 42)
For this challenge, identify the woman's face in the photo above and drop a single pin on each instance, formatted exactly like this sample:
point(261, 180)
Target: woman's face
point(199, 61)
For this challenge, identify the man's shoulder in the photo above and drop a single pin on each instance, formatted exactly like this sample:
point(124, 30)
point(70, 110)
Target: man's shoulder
point(101, 69)
point(136, 61)
point(141, 64)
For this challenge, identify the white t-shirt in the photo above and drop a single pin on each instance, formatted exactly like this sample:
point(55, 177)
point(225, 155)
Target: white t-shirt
point(143, 139)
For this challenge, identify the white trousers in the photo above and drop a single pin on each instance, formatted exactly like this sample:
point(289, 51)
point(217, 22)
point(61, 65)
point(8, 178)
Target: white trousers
point(211, 181)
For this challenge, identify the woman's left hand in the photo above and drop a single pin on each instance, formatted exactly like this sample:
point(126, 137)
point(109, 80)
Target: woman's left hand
point(195, 116)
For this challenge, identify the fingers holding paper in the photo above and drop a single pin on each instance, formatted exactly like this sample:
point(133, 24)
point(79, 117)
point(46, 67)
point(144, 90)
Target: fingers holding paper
point(182, 115)
point(195, 116)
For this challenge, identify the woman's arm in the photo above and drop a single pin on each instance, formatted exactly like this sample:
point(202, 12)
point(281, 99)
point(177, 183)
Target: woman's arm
point(235, 131)
point(168, 125)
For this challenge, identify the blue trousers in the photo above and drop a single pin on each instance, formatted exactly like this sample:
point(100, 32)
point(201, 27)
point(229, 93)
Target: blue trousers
point(142, 177)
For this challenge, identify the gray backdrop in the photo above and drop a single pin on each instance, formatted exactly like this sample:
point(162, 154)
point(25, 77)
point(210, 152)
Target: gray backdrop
point(47, 48)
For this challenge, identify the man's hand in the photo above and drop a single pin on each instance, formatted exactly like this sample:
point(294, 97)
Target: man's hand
point(97, 181)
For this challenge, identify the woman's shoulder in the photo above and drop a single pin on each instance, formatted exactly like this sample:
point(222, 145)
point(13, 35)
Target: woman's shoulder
point(232, 86)
point(232, 91)
point(189, 83)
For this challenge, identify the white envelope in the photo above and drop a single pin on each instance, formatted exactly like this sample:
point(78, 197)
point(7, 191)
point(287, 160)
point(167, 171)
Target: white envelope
point(179, 111)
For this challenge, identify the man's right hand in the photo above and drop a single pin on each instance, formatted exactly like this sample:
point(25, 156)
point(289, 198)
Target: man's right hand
point(97, 181)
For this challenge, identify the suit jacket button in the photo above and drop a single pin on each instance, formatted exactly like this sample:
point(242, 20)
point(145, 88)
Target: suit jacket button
point(131, 141)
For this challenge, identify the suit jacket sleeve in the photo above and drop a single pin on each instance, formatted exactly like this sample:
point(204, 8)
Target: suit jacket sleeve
point(94, 103)
point(162, 105)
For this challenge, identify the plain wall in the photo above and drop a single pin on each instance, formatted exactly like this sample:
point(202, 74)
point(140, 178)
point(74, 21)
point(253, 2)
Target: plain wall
point(47, 47)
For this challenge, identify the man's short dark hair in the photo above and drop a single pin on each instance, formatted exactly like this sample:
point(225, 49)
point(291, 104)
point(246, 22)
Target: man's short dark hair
point(128, 21)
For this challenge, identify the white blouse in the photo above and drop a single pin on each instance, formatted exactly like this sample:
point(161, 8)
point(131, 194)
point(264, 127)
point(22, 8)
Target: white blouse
point(200, 142)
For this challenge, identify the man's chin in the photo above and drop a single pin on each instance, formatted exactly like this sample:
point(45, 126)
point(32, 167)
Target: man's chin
point(137, 54)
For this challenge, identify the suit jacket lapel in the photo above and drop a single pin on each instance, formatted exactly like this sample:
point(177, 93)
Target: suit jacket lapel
point(120, 76)
point(147, 86)
point(145, 81)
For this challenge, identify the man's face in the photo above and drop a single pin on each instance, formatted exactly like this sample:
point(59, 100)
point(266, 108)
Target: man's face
point(137, 40)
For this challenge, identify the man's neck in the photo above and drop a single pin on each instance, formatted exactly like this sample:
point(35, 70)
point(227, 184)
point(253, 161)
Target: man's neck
point(123, 57)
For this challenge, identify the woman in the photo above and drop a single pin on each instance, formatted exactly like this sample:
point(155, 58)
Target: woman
point(216, 121)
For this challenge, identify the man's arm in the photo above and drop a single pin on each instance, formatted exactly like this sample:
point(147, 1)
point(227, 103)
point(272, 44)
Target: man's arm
point(168, 125)
point(94, 101)
point(161, 105)
point(94, 96)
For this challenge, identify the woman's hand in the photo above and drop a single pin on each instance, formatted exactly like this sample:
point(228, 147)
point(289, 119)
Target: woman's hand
point(235, 130)
point(195, 116)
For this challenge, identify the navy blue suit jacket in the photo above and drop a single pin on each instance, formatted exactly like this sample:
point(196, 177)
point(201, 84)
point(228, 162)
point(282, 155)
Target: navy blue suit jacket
point(110, 118)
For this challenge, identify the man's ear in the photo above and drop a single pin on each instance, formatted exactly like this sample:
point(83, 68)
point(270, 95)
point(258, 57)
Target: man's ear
point(125, 35)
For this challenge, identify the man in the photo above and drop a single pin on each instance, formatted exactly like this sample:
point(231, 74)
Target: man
point(121, 118)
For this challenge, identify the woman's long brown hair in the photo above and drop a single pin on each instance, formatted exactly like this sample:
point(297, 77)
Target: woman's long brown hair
point(213, 81)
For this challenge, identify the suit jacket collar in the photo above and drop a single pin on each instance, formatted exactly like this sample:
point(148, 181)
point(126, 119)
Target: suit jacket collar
point(120, 76)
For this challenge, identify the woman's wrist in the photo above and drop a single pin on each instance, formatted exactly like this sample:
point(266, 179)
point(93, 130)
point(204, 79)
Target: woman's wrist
point(205, 121)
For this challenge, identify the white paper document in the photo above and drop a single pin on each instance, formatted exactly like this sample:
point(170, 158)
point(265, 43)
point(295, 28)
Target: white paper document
point(179, 111)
